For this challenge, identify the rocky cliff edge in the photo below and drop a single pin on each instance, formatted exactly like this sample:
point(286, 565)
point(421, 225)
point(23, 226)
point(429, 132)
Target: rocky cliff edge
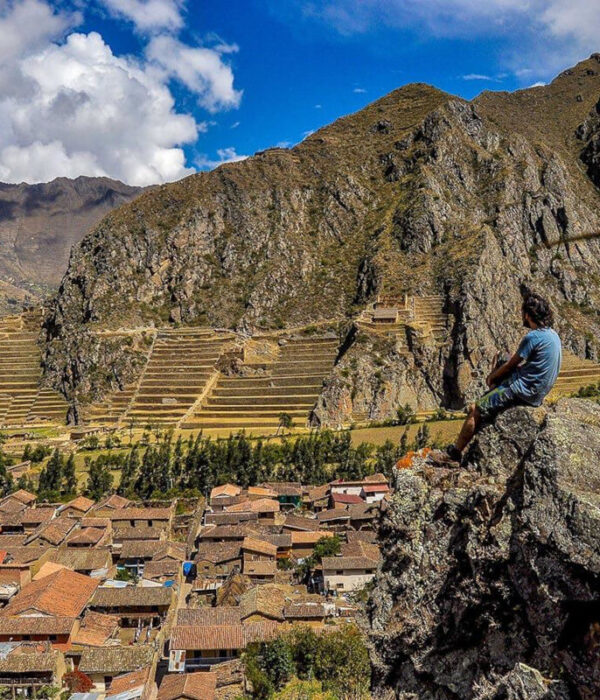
point(490, 583)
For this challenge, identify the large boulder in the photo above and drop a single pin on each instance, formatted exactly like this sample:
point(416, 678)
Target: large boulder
point(489, 586)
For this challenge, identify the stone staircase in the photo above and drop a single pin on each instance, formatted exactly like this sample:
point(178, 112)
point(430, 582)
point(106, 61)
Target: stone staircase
point(289, 384)
point(22, 400)
point(180, 364)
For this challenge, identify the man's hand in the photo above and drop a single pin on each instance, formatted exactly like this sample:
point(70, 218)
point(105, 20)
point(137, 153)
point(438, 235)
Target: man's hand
point(506, 369)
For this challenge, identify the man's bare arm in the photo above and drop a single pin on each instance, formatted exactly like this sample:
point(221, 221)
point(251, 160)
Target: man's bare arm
point(504, 370)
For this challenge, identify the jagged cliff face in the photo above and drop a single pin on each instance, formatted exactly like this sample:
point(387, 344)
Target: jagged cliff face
point(420, 192)
point(489, 586)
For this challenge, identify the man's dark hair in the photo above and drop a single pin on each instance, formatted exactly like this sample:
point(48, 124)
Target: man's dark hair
point(538, 309)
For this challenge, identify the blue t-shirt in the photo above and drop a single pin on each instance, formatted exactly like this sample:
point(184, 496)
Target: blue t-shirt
point(541, 353)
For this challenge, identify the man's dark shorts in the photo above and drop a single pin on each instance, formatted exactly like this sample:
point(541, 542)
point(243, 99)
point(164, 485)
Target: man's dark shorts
point(497, 400)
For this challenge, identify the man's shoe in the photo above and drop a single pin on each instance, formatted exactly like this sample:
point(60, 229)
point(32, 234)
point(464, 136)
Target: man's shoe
point(453, 453)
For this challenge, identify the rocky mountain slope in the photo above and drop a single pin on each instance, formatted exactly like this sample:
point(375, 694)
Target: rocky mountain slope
point(40, 223)
point(489, 587)
point(420, 193)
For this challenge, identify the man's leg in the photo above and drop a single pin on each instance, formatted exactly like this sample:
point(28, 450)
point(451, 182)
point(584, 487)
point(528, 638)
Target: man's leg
point(468, 429)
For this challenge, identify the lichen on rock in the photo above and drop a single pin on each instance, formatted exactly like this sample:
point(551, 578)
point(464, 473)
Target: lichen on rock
point(490, 583)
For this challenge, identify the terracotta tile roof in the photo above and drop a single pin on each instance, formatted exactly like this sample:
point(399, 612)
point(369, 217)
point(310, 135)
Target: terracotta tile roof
point(140, 514)
point(318, 493)
point(266, 600)
point(171, 550)
point(221, 615)
point(348, 563)
point(30, 657)
point(93, 521)
point(35, 516)
point(303, 611)
point(363, 511)
point(86, 535)
point(166, 568)
point(262, 491)
point(376, 488)
point(194, 686)
point(140, 549)
point(23, 496)
point(86, 559)
point(54, 531)
point(226, 518)
point(298, 522)
point(284, 488)
point(129, 532)
point(114, 501)
point(11, 505)
point(64, 593)
point(9, 541)
point(260, 505)
point(113, 660)
point(81, 503)
point(360, 548)
point(260, 546)
point(225, 490)
point(218, 552)
point(25, 555)
point(309, 537)
point(36, 625)
point(96, 628)
point(225, 532)
point(131, 596)
point(361, 535)
point(47, 568)
point(207, 637)
point(333, 514)
point(346, 498)
point(128, 682)
point(260, 568)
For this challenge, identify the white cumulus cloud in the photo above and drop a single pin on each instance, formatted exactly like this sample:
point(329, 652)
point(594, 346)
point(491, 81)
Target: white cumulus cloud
point(70, 106)
point(148, 15)
point(200, 69)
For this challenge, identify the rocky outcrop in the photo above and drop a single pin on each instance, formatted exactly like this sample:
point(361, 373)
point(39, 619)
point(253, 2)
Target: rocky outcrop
point(469, 200)
point(490, 583)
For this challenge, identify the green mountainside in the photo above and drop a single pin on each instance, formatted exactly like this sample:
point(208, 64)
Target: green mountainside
point(420, 193)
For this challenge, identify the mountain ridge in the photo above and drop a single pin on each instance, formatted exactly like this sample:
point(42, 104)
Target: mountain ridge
point(39, 223)
point(419, 193)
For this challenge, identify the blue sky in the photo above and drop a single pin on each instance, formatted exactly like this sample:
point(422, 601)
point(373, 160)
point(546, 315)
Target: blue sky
point(152, 90)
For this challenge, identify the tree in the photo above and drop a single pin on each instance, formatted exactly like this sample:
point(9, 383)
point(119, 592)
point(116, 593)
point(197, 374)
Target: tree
point(422, 437)
point(70, 478)
point(285, 422)
point(51, 476)
point(342, 663)
point(77, 682)
point(405, 414)
point(404, 443)
point(326, 547)
point(100, 479)
point(277, 658)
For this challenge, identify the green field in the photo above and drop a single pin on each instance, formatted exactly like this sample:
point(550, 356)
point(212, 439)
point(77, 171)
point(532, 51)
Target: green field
point(446, 430)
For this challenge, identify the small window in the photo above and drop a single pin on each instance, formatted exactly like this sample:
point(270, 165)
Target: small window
point(339, 573)
point(52, 637)
point(222, 653)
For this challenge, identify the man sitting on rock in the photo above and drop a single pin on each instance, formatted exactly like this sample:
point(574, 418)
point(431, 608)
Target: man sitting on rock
point(524, 379)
